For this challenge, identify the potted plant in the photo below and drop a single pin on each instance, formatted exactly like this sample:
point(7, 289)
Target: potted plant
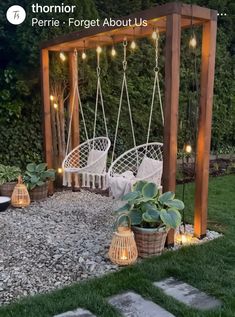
point(152, 215)
point(36, 178)
point(8, 177)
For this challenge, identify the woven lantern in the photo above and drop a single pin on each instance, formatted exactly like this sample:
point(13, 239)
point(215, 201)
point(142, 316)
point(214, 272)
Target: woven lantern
point(123, 250)
point(20, 196)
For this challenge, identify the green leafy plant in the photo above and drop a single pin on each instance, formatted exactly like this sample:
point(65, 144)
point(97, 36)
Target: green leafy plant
point(38, 175)
point(148, 208)
point(8, 173)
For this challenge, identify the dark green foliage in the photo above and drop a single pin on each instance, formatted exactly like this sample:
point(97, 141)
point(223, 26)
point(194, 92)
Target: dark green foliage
point(20, 104)
point(148, 208)
point(37, 175)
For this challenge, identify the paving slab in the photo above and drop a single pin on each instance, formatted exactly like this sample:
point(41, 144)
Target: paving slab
point(80, 312)
point(133, 305)
point(187, 294)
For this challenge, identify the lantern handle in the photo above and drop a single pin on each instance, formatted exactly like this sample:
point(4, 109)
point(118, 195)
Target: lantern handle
point(124, 215)
point(20, 181)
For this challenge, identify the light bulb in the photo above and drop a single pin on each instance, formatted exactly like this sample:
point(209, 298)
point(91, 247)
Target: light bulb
point(83, 55)
point(60, 170)
point(113, 52)
point(188, 148)
point(193, 42)
point(55, 105)
point(154, 35)
point(62, 56)
point(51, 97)
point(99, 49)
point(133, 45)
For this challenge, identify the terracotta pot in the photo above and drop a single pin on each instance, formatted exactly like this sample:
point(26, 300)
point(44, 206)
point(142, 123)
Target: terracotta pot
point(39, 192)
point(7, 189)
point(149, 241)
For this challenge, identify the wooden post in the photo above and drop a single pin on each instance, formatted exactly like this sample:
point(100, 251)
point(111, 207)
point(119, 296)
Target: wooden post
point(47, 132)
point(73, 99)
point(204, 127)
point(172, 78)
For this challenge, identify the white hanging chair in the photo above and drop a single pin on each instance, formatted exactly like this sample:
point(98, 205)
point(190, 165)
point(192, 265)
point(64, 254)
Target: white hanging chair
point(143, 162)
point(88, 159)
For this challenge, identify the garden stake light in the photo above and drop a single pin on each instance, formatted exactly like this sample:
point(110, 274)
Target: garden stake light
point(20, 196)
point(123, 250)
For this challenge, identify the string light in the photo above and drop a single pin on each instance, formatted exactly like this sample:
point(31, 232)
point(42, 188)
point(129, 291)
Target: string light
point(154, 35)
point(52, 98)
point(60, 170)
point(193, 41)
point(55, 105)
point(99, 49)
point(62, 56)
point(133, 45)
point(84, 51)
point(188, 148)
point(113, 52)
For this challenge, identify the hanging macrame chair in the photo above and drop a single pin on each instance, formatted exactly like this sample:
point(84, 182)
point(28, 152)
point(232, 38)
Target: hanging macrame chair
point(88, 159)
point(142, 162)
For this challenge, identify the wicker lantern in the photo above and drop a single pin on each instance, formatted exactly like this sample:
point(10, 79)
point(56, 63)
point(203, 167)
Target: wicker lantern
point(123, 250)
point(20, 196)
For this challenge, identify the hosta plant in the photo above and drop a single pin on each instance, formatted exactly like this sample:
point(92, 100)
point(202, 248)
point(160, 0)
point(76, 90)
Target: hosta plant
point(148, 208)
point(37, 175)
point(8, 173)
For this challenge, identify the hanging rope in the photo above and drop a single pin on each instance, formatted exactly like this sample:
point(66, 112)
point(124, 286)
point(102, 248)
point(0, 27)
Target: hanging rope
point(124, 86)
point(76, 89)
point(99, 94)
point(156, 84)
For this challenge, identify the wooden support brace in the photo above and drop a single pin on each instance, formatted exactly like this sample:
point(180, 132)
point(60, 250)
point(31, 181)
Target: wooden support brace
point(204, 127)
point(172, 78)
point(47, 130)
point(73, 101)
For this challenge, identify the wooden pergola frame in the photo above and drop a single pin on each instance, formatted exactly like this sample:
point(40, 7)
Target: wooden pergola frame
point(169, 18)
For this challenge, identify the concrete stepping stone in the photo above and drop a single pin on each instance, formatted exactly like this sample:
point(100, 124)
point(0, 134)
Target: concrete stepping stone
point(77, 313)
point(133, 305)
point(188, 294)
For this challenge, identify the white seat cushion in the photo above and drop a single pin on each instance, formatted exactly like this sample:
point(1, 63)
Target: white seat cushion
point(147, 167)
point(95, 155)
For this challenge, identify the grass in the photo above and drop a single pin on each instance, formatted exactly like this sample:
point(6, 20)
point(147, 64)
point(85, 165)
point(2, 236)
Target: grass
point(210, 267)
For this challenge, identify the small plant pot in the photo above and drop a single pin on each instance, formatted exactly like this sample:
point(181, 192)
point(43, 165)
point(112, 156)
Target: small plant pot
point(149, 241)
point(39, 193)
point(7, 189)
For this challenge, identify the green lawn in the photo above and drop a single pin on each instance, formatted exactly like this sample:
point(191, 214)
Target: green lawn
point(210, 267)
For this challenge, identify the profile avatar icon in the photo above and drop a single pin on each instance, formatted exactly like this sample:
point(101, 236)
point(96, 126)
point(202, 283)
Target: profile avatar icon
point(16, 14)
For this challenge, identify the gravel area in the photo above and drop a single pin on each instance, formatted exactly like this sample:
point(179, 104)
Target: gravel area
point(56, 242)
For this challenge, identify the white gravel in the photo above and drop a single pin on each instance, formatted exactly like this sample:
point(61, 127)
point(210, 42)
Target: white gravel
point(56, 242)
